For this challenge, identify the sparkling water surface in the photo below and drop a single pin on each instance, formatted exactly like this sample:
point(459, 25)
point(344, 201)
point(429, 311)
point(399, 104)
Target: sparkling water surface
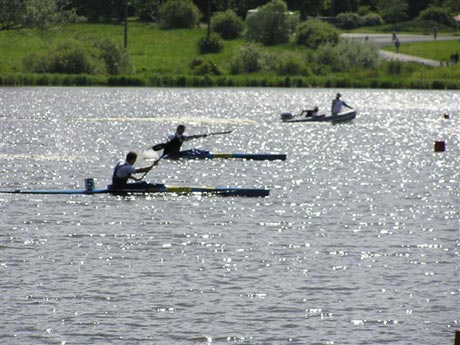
point(358, 242)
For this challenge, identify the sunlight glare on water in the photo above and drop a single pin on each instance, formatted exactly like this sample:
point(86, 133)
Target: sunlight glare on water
point(358, 242)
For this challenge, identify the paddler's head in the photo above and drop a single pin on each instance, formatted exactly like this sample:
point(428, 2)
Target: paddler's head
point(131, 157)
point(180, 129)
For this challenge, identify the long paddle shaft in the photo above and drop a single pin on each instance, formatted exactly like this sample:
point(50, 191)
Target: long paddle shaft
point(155, 162)
point(161, 146)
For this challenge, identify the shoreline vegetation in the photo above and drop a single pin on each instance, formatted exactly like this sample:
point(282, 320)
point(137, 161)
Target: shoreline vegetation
point(171, 58)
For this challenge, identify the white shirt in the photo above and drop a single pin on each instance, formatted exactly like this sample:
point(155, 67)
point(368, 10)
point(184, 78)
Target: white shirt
point(125, 170)
point(182, 137)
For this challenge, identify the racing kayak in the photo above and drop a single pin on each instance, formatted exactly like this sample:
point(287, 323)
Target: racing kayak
point(201, 154)
point(147, 188)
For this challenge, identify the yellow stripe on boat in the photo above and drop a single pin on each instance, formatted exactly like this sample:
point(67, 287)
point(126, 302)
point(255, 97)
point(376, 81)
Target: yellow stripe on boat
point(222, 155)
point(174, 189)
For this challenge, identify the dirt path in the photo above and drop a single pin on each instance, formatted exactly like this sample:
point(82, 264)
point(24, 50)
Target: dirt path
point(386, 40)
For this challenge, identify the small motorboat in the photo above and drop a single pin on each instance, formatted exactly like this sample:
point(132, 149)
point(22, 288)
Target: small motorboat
point(344, 116)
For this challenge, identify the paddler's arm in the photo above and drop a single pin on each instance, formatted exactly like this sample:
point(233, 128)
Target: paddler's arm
point(345, 104)
point(143, 170)
point(196, 136)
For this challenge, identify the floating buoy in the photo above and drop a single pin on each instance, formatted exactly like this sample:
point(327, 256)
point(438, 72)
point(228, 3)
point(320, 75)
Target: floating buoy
point(439, 146)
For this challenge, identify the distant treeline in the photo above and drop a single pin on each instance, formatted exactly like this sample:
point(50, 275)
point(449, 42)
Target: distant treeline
point(149, 9)
point(30, 13)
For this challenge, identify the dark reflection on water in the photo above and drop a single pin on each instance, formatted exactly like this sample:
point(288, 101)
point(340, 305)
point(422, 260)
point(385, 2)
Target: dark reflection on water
point(357, 244)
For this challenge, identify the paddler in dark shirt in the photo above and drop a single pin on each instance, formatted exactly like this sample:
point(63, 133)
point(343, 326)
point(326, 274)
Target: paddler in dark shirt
point(172, 147)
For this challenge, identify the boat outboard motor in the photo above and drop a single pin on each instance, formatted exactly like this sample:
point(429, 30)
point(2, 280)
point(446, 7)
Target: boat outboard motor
point(286, 116)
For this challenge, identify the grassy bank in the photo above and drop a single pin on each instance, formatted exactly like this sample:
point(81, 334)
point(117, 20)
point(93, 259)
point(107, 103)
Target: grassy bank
point(434, 50)
point(164, 58)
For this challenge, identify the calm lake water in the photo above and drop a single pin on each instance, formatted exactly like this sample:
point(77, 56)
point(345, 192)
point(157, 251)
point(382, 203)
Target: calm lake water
point(358, 242)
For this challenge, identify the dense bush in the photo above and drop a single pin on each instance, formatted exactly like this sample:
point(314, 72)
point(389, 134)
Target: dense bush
point(70, 56)
point(117, 59)
point(74, 57)
point(372, 19)
point(314, 32)
point(227, 24)
point(213, 44)
point(348, 54)
point(204, 67)
point(348, 20)
point(247, 59)
point(271, 24)
point(290, 64)
point(437, 14)
point(179, 14)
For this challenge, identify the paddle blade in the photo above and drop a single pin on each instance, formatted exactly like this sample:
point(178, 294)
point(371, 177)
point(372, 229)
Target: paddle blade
point(216, 133)
point(158, 147)
point(150, 155)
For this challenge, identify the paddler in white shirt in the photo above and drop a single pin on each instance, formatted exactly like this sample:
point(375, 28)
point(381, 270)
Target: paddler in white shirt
point(124, 171)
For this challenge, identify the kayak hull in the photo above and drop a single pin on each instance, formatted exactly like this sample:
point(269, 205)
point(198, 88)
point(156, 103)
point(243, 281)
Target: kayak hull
point(201, 154)
point(148, 188)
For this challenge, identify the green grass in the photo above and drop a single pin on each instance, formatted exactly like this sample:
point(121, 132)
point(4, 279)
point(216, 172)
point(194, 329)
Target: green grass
point(434, 50)
point(163, 57)
point(153, 51)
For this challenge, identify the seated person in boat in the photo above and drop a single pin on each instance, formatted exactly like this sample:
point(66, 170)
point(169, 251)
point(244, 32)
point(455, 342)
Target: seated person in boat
point(125, 170)
point(175, 141)
point(337, 105)
point(310, 113)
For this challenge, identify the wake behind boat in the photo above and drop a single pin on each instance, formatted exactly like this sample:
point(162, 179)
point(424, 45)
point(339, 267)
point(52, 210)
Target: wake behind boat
point(202, 154)
point(344, 116)
point(148, 188)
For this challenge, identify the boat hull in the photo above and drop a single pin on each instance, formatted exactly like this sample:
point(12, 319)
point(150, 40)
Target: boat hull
point(201, 154)
point(341, 117)
point(148, 188)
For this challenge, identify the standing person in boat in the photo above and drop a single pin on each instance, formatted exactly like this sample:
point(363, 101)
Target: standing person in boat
point(124, 171)
point(337, 104)
point(172, 147)
point(310, 113)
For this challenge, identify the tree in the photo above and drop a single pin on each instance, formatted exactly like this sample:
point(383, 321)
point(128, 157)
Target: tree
point(148, 10)
point(307, 8)
point(452, 5)
point(341, 6)
point(416, 6)
point(35, 13)
point(227, 24)
point(10, 13)
point(241, 7)
point(179, 14)
point(271, 24)
point(313, 33)
point(393, 11)
point(100, 10)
